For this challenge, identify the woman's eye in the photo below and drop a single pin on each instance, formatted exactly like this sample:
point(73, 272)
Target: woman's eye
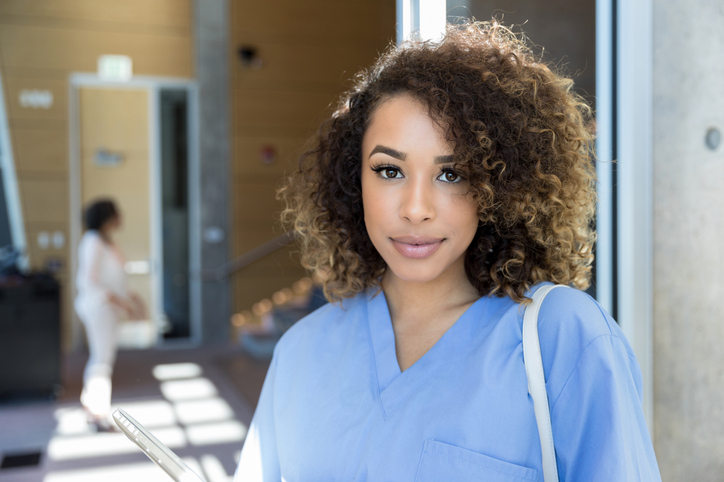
point(390, 173)
point(450, 176)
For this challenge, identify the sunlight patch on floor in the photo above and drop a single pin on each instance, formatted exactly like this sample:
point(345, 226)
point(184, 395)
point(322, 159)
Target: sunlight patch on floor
point(151, 413)
point(203, 411)
point(104, 444)
point(175, 371)
point(192, 389)
point(118, 473)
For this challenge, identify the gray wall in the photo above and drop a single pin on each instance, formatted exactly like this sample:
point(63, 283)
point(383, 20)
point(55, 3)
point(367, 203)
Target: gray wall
point(688, 225)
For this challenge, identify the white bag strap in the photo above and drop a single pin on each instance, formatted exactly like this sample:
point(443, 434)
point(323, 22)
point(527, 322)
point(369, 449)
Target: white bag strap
point(537, 383)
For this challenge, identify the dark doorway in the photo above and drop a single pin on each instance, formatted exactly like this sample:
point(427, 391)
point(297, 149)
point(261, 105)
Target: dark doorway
point(173, 110)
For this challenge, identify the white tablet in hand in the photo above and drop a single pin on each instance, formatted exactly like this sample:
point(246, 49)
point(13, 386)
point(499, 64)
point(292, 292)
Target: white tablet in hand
point(156, 451)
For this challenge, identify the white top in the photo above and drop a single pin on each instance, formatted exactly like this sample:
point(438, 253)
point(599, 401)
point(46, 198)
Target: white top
point(100, 270)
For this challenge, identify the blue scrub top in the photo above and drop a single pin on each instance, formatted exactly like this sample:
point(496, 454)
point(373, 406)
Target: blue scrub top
point(336, 407)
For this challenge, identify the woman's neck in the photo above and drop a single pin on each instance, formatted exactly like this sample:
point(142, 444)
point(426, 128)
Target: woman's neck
point(424, 305)
point(421, 313)
point(105, 235)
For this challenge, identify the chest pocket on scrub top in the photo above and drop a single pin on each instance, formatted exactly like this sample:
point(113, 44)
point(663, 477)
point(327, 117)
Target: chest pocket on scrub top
point(441, 462)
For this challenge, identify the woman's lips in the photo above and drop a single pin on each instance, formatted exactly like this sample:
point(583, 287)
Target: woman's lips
point(416, 247)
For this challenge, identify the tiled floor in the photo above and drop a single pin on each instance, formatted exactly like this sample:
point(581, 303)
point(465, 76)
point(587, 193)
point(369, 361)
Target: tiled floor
point(199, 402)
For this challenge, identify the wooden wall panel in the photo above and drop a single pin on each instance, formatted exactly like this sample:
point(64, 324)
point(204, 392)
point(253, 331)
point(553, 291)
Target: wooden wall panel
point(44, 150)
point(248, 156)
point(44, 200)
point(309, 51)
point(158, 13)
point(29, 124)
point(256, 204)
point(280, 113)
point(78, 50)
point(317, 21)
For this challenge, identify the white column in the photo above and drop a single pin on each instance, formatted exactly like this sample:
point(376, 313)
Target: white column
point(604, 154)
point(635, 193)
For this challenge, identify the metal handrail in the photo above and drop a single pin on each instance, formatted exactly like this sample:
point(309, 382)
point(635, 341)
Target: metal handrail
point(251, 256)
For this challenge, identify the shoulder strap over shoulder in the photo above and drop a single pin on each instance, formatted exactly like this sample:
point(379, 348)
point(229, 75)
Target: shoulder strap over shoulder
point(537, 383)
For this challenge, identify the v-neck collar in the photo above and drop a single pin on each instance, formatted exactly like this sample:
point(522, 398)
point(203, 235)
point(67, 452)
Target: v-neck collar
point(394, 384)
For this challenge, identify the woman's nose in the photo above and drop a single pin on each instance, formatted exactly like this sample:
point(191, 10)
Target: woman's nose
point(417, 204)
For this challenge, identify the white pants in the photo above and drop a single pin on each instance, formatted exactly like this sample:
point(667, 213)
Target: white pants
point(101, 327)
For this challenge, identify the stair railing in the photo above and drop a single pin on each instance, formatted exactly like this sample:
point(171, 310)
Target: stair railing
point(251, 256)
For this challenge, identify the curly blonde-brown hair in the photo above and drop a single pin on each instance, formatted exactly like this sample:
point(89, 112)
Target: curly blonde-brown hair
point(521, 142)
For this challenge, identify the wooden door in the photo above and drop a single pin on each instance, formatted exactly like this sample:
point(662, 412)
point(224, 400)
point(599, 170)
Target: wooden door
point(114, 162)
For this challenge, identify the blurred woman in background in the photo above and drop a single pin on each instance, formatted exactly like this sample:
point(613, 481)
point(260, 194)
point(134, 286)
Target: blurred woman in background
point(103, 300)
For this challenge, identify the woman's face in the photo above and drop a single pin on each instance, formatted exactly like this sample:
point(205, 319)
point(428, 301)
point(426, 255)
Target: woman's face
point(112, 224)
point(418, 212)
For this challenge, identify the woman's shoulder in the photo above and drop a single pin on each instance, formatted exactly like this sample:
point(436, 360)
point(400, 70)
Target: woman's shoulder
point(91, 236)
point(91, 239)
point(571, 313)
point(570, 324)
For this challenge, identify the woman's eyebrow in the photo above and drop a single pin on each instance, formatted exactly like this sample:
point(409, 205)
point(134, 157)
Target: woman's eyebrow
point(389, 151)
point(402, 156)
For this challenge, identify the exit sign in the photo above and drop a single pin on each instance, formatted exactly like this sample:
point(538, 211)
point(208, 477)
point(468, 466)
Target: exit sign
point(115, 67)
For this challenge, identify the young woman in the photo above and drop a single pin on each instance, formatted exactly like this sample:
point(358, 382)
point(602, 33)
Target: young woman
point(452, 182)
point(103, 299)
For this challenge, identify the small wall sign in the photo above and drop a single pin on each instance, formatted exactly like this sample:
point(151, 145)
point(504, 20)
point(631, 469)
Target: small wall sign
point(103, 157)
point(36, 99)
